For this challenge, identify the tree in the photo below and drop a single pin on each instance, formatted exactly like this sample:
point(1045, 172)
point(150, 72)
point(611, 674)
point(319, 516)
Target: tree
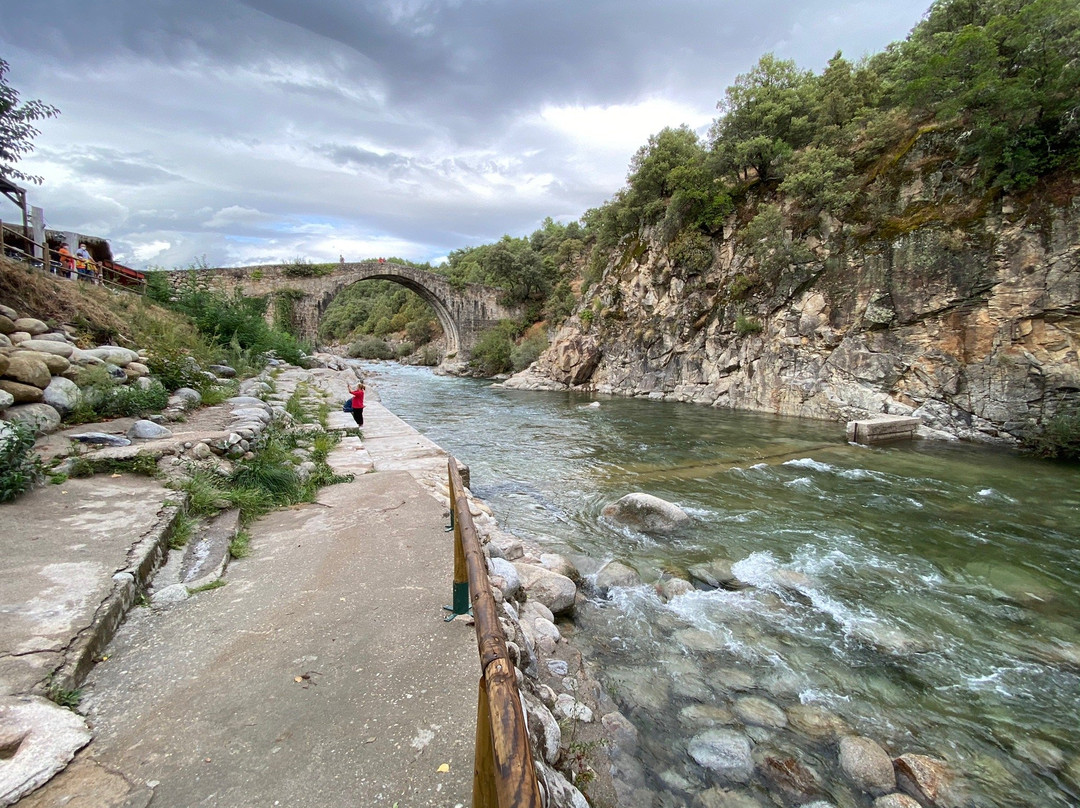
point(17, 129)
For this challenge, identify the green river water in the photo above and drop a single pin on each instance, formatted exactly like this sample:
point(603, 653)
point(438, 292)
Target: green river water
point(925, 592)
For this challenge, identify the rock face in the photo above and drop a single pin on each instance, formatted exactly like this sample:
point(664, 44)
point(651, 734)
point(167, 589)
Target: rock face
point(966, 322)
point(647, 513)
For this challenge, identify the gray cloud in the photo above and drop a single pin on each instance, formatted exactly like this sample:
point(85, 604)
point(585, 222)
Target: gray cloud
point(265, 129)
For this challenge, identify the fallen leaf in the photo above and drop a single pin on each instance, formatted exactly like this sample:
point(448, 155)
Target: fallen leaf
point(444, 768)
point(115, 475)
point(370, 740)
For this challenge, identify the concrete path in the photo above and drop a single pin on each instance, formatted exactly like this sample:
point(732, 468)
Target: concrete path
point(322, 673)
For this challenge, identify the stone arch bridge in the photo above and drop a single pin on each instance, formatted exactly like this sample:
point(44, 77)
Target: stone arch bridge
point(464, 312)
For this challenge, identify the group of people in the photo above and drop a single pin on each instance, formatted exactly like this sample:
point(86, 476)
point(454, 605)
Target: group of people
point(80, 265)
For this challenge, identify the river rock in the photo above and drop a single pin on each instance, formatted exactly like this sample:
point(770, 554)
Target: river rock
point(705, 715)
point(896, 801)
point(647, 513)
point(640, 690)
point(566, 706)
point(866, 764)
point(192, 398)
point(533, 609)
point(113, 354)
point(544, 628)
point(4, 341)
point(724, 752)
point(555, 591)
point(22, 393)
point(620, 730)
point(27, 369)
point(148, 430)
point(56, 364)
point(509, 574)
point(816, 722)
point(257, 413)
point(6, 399)
point(760, 712)
point(64, 349)
point(7, 325)
point(136, 370)
point(18, 337)
point(84, 359)
point(30, 326)
point(561, 565)
point(42, 418)
point(717, 797)
point(505, 545)
point(3, 363)
point(100, 439)
point(62, 395)
point(930, 781)
point(615, 574)
point(224, 371)
point(673, 587)
point(716, 574)
point(790, 777)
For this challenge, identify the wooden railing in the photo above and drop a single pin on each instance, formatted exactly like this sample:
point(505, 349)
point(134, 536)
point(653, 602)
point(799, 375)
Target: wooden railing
point(112, 275)
point(503, 772)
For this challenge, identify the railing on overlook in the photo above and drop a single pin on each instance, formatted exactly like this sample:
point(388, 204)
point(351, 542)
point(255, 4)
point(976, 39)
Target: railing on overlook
point(15, 244)
point(503, 775)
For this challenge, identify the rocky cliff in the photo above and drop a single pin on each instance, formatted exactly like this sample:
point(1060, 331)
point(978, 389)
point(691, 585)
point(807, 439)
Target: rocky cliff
point(958, 308)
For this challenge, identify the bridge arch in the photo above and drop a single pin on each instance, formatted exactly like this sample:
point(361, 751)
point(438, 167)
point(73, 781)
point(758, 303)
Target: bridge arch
point(464, 311)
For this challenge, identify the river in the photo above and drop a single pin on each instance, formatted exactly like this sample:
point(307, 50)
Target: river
point(924, 592)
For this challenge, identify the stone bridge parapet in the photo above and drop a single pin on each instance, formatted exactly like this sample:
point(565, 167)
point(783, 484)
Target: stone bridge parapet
point(463, 311)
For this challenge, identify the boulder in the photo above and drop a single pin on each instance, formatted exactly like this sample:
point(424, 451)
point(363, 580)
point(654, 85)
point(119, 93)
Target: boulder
point(22, 393)
point(511, 580)
point(760, 712)
point(7, 325)
point(64, 349)
point(27, 369)
point(56, 364)
point(136, 370)
point(6, 399)
point(193, 398)
point(30, 326)
point(18, 337)
point(42, 418)
point(8, 312)
point(673, 587)
point(931, 782)
point(84, 359)
point(224, 371)
point(867, 765)
point(724, 752)
point(544, 728)
point(3, 363)
point(716, 574)
point(62, 395)
point(561, 565)
point(615, 573)
point(646, 513)
point(148, 430)
point(114, 355)
point(555, 591)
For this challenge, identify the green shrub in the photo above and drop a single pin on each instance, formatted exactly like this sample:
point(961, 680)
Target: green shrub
point(1057, 437)
point(429, 356)
point(102, 396)
point(692, 252)
point(491, 354)
point(20, 467)
point(404, 349)
point(747, 325)
point(370, 347)
point(528, 351)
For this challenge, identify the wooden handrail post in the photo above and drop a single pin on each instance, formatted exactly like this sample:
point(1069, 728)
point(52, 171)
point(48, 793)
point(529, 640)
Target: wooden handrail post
point(484, 793)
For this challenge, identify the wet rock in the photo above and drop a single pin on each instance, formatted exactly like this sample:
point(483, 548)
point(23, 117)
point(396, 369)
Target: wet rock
point(640, 690)
point(888, 639)
point(148, 430)
point(674, 587)
point(728, 679)
point(621, 731)
point(561, 565)
point(533, 609)
point(724, 752)
point(716, 574)
point(705, 715)
point(1039, 752)
point(615, 574)
point(30, 326)
point(796, 781)
point(28, 370)
point(62, 395)
point(553, 590)
point(816, 722)
point(896, 801)
point(759, 712)
point(42, 418)
point(930, 781)
point(694, 639)
point(647, 513)
point(723, 798)
point(866, 764)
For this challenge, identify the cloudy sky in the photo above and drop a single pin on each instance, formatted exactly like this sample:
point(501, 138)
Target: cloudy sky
point(258, 131)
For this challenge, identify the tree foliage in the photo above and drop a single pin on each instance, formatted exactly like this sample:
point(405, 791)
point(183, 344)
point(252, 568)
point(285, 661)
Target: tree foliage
point(17, 130)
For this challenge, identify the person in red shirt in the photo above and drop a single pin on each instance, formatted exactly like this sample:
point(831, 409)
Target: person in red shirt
point(358, 404)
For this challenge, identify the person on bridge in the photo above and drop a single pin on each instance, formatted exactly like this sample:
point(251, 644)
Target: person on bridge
point(358, 404)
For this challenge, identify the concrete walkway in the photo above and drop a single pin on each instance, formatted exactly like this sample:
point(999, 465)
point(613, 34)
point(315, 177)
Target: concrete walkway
point(321, 674)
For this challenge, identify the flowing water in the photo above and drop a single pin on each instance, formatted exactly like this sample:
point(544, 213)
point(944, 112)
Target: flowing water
point(924, 592)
